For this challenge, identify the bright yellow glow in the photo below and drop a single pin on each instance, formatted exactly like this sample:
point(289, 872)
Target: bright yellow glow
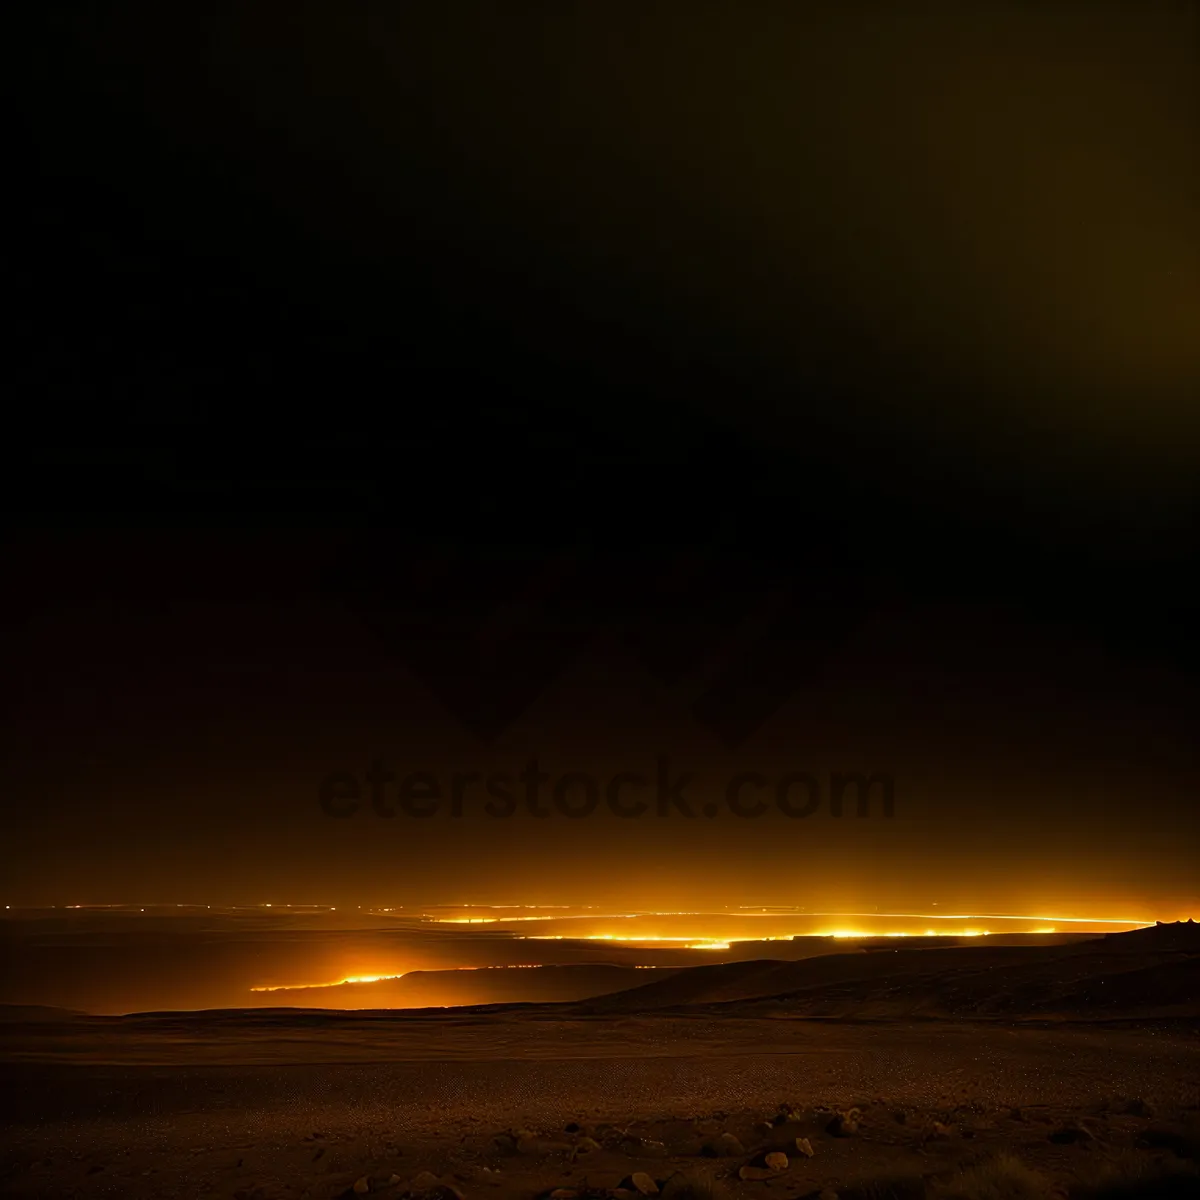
point(292, 987)
point(952, 933)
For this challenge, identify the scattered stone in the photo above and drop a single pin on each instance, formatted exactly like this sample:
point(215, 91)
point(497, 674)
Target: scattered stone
point(845, 1124)
point(805, 1147)
point(586, 1145)
point(777, 1161)
point(641, 1183)
point(362, 1186)
point(751, 1173)
point(393, 1179)
point(937, 1132)
point(652, 1149)
point(423, 1182)
point(724, 1146)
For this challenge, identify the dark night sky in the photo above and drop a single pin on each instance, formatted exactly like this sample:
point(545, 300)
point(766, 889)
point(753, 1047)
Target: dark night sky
point(857, 355)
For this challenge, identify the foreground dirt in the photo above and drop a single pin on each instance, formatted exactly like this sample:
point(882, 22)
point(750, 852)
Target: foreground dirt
point(305, 1109)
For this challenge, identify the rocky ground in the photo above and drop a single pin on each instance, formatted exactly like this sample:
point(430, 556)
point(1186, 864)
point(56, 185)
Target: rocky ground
point(858, 1110)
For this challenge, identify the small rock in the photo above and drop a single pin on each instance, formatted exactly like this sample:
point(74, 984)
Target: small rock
point(937, 1132)
point(640, 1182)
point(805, 1147)
point(586, 1145)
point(393, 1179)
point(777, 1161)
point(423, 1182)
point(362, 1186)
point(844, 1124)
point(725, 1146)
point(750, 1173)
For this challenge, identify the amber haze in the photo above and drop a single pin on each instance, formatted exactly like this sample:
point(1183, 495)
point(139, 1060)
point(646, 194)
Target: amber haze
point(579, 794)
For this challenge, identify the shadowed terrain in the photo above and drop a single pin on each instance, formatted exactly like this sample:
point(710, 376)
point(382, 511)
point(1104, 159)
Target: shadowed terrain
point(1061, 1053)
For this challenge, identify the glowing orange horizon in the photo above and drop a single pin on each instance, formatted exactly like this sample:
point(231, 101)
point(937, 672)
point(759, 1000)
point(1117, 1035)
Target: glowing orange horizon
point(783, 914)
point(293, 987)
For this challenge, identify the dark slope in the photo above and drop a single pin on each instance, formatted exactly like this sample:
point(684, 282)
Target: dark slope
point(1143, 974)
